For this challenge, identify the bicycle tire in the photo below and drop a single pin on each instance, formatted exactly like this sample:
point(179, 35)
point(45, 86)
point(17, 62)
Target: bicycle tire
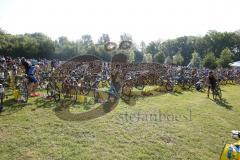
point(23, 88)
point(168, 87)
point(71, 96)
point(85, 89)
point(126, 86)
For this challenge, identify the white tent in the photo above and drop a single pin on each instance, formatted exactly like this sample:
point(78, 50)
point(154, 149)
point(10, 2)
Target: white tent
point(235, 64)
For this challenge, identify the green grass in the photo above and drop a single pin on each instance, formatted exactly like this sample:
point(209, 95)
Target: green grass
point(33, 131)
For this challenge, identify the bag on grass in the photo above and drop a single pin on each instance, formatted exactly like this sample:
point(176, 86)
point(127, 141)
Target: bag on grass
point(231, 152)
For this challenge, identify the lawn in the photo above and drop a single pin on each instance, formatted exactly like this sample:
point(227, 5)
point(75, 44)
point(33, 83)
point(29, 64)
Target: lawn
point(187, 125)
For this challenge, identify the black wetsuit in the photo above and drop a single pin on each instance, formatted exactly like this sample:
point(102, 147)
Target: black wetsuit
point(212, 82)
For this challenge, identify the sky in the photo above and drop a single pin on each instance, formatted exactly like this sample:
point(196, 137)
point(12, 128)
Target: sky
point(146, 20)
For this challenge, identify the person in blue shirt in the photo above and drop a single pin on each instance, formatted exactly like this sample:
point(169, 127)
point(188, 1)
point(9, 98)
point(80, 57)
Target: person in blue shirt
point(30, 70)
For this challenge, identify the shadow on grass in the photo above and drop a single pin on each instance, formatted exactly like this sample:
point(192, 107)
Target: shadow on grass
point(223, 103)
point(176, 93)
point(130, 100)
point(44, 103)
point(10, 106)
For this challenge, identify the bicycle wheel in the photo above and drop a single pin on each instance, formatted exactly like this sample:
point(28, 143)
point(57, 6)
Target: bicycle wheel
point(160, 82)
point(23, 89)
point(49, 90)
point(126, 90)
point(53, 91)
point(187, 84)
point(105, 83)
point(169, 87)
point(219, 93)
point(85, 89)
point(56, 94)
point(71, 95)
point(139, 86)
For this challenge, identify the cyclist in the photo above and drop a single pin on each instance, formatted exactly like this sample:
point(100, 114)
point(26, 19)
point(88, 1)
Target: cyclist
point(30, 71)
point(211, 81)
point(116, 78)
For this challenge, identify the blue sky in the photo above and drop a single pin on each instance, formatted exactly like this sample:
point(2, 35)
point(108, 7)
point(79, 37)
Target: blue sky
point(144, 19)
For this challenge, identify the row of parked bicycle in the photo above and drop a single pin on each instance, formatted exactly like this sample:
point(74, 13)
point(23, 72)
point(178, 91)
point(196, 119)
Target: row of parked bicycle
point(134, 76)
point(83, 78)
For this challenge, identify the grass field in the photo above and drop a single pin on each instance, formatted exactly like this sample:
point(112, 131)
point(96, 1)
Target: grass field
point(191, 126)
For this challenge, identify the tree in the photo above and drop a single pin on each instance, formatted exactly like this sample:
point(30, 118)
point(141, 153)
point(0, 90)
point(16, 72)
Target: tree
point(160, 57)
point(126, 37)
point(87, 40)
point(104, 39)
point(178, 59)
point(147, 58)
point(209, 61)
point(168, 60)
point(196, 60)
point(153, 48)
point(63, 41)
point(226, 57)
point(131, 56)
point(143, 47)
point(2, 31)
point(138, 56)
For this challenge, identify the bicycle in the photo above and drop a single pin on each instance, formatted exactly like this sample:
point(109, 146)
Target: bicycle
point(2, 96)
point(166, 82)
point(22, 86)
point(43, 79)
point(217, 92)
point(53, 90)
point(70, 89)
point(132, 80)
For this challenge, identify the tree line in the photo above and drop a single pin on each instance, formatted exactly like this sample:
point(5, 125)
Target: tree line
point(215, 49)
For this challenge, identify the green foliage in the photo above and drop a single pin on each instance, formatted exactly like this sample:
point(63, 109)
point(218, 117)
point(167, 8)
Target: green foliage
point(143, 47)
point(104, 39)
point(160, 57)
point(178, 59)
point(153, 48)
point(209, 61)
point(196, 60)
point(147, 58)
point(87, 40)
point(2, 31)
point(138, 56)
point(131, 57)
point(38, 45)
point(126, 37)
point(168, 60)
point(226, 57)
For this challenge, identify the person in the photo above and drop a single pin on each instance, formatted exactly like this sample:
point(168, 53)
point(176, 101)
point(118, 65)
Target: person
point(116, 78)
point(30, 72)
point(199, 85)
point(53, 65)
point(2, 96)
point(211, 81)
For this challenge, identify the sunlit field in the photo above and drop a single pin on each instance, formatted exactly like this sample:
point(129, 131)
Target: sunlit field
point(187, 125)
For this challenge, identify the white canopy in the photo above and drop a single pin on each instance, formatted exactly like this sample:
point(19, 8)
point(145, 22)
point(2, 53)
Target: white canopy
point(235, 64)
